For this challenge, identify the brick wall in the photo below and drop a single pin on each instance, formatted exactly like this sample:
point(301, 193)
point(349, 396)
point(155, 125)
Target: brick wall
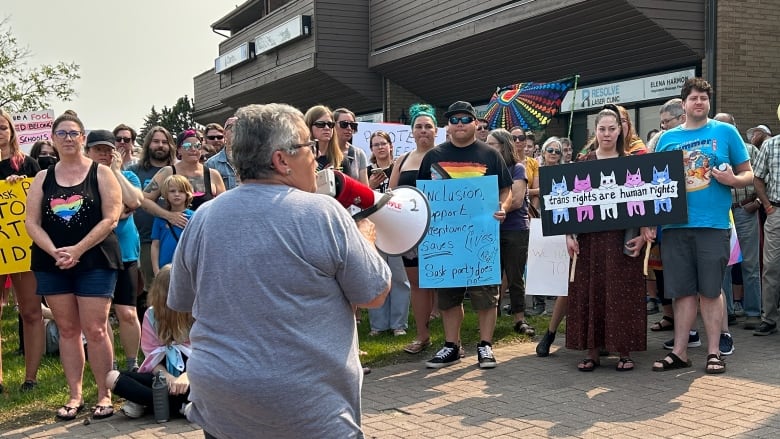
point(748, 62)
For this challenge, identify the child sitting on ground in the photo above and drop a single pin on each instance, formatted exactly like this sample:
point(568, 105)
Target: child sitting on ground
point(165, 341)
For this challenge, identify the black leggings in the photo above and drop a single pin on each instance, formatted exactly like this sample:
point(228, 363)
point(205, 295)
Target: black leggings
point(137, 387)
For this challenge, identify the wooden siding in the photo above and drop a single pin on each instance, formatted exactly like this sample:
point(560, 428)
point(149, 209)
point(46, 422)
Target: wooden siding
point(206, 88)
point(683, 19)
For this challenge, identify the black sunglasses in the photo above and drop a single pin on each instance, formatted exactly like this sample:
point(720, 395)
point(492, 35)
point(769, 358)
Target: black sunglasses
point(323, 124)
point(463, 119)
point(520, 138)
point(553, 151)
point(123, 139)
point(344, 124)
point(217, 137)
point(482, 128)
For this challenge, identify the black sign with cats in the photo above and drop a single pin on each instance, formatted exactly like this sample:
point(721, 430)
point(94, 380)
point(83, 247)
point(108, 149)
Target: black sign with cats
point(614, 194)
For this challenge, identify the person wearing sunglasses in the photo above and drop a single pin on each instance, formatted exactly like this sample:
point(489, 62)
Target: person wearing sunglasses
point(444, 161)
point(72, 211)
point(345, 128)
point(214, 140)
point(520, 140)
point(222, 161)
point(206, 182)
point(483, 129)
point(552, 152)
point(124, 139)
point(297, 310)
point(319, 119)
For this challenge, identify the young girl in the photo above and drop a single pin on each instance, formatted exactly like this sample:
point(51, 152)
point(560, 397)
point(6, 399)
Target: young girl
point(176, 190)
point(165, 341)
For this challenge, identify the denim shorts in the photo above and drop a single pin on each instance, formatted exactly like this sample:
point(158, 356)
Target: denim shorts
point(89, 283)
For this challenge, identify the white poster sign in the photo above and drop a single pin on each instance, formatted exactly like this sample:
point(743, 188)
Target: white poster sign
point(548, 263)
point(32, 126)
point(663, 85)
point(401, 135)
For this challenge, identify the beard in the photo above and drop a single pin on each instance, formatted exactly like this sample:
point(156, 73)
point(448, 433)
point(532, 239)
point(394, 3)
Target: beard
point(159, 154)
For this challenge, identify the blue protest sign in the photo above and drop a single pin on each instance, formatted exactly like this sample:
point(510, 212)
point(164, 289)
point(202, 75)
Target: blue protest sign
point(462, 247)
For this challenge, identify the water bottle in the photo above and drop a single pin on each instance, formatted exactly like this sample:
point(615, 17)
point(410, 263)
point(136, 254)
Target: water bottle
point(160, 397)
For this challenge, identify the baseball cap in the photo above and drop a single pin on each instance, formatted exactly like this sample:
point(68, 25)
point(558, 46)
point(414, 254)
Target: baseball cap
point(100, 137)
point(763, 128)
point(461, 107)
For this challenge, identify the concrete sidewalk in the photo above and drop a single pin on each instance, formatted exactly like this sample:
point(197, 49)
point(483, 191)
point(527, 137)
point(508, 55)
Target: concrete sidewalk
point(531, 397)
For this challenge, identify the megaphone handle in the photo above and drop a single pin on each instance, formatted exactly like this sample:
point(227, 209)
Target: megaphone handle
point(363, 214)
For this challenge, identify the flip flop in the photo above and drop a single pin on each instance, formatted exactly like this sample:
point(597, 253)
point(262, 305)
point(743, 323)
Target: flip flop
point(68, 416)
point(103, 412)
point(587, 365)
point(622, 363)
point(676, 363)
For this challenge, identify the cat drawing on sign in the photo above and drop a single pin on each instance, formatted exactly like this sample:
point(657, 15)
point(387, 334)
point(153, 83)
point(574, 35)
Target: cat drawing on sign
point(583, 186)
point(635, 181)
point(608, 210)
point(661, 177)
point(560, 189)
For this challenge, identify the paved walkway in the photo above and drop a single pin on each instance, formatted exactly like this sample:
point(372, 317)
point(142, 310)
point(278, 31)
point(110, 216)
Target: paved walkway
point(530, 397)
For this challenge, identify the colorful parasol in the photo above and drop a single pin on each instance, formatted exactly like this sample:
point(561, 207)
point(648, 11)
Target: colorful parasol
point(530, 105)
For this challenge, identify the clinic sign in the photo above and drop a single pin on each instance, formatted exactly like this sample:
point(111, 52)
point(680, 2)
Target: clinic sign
point(32, 126)
point(664, 85)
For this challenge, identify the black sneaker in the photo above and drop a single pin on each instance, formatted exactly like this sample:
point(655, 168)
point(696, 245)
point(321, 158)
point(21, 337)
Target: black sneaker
point(543, 348)
point(693, 342)
point(765, 328)
point(447, 356)
point(485, 356)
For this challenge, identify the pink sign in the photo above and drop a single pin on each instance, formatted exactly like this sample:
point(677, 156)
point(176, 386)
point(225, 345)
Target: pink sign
point(32, 126)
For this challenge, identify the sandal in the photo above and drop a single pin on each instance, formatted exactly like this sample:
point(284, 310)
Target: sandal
point(714, 364)
point(588, 365)
point(103, 412)
point(675, 363)
point(624, 364)
point(522, 327)
point(417, 346)
point(68, 413)
point(660, 326)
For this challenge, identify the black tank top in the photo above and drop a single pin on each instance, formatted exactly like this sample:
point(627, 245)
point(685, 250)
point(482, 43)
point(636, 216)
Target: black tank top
point(409, 177)
point(68, 214)
point(199, 198)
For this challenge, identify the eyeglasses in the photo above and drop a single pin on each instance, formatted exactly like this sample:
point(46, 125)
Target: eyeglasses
point(323, 124)
point(344, 124)
point(217, 137)
point(520, 138)
point(188, 145)
point(123, 139)
point(482, 128)
point(553, 151)
point(463, 119)
point(666, 121)
point(312, 145)
point(63, 134)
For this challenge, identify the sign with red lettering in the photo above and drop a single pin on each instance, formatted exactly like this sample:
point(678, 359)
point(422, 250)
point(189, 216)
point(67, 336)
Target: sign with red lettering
point(14, 242)
point(32, 126)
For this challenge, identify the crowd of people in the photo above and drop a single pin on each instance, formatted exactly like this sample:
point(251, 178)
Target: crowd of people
point(111, 230)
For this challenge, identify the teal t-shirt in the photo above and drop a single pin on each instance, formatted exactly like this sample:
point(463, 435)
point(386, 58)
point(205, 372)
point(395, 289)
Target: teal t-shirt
point(703, 148)
point(129, 243)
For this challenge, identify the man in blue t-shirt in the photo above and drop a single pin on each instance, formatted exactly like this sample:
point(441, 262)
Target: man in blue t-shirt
point(695, 254)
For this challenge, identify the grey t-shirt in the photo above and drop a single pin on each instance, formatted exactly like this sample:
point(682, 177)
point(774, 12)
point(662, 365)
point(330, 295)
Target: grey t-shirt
point(357, 161)
point(270, 273)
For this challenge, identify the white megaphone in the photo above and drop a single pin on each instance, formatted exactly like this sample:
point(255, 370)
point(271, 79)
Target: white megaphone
point(401, 215)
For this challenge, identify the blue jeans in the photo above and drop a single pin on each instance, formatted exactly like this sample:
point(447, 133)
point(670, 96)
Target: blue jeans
point(394, 313)
point(747, 234)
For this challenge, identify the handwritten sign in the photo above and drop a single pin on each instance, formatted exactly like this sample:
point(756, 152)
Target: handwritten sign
point(14, 242)
point(32, 126)
point(548, 263)
point(461, 247)
point(613, 194)
point(401, 135)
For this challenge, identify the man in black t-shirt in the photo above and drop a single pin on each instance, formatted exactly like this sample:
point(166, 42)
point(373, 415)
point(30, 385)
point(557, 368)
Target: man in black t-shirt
point(465, 156)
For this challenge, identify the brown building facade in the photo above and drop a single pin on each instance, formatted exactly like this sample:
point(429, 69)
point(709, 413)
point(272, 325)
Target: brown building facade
point(378, 56)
